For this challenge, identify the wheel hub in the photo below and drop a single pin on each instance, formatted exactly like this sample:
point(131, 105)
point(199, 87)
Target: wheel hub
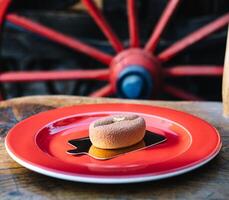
point(135, 74)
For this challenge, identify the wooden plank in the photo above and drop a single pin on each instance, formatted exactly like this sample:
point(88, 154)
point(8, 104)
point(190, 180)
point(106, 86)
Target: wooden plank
point(80, 7)
point(226, 80)
point(16, 182)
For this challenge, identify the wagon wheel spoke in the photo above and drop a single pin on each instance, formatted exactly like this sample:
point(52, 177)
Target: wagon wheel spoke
point(133, 23)
point(100, 74)
point(194, 37)
point(103, 24)
point(58, 37)
point(4, 4)
point(180, 93)
point(103, 92)
point(161, 25)
point(193, 70)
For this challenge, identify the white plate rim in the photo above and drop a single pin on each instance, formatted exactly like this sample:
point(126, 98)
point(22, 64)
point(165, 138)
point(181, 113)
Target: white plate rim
point(118, 180)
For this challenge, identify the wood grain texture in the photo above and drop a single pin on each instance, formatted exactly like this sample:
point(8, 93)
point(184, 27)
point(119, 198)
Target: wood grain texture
point(226, 80)
point(16, 182)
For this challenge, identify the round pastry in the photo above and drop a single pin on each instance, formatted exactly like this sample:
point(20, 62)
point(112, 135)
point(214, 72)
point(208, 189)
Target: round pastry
point(104, 154)
point(117, 131)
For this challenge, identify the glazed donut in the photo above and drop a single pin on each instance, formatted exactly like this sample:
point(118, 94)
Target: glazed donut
point(117, 131)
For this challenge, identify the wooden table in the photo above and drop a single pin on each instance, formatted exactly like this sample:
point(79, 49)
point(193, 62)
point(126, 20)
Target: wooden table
point(16, 182)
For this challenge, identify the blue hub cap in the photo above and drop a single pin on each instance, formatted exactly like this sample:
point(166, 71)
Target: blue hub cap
point(135, 82)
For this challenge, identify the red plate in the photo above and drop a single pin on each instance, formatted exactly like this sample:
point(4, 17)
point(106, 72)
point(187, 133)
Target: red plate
point(40, 143)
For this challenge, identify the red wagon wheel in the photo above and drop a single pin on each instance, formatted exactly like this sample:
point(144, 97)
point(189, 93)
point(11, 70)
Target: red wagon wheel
point(134, 72)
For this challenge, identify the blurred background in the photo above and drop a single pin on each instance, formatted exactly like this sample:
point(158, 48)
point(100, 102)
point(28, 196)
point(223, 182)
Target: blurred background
point(22, 50)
